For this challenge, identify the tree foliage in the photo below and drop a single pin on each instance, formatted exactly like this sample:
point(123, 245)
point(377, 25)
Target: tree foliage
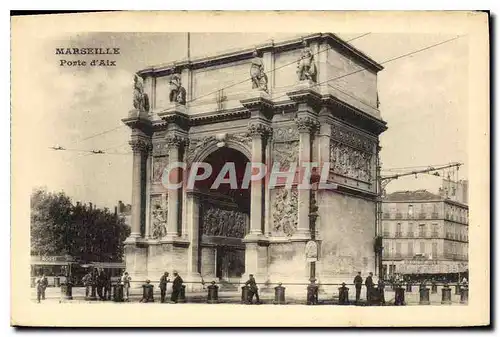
point(87, 233)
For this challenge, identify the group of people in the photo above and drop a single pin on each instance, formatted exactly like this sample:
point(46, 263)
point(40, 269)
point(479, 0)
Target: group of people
point(370, 286)
point(101, 280)
point(176, 287)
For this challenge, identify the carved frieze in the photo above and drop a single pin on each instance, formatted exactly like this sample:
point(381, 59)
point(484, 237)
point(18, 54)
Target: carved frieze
point(352, 139)
point(175, 140)
point(158, 217)
point(285, 134)
point(159, 165)
point(285, 217)
point(217, 221)
point(195, 144)
point(243, 138)
point(286, 153)
point(350, 162)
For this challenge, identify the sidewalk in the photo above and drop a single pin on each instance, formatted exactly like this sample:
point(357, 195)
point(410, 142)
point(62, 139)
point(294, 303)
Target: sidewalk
point(54, 295)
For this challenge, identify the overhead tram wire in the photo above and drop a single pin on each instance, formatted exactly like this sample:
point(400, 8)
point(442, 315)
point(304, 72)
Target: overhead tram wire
point(218, 90)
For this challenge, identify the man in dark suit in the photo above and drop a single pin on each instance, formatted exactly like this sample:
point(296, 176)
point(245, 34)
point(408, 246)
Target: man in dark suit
point(369, 287)
point(176, 287)
point(163, 286)
point(252, 289)
point(358, 282)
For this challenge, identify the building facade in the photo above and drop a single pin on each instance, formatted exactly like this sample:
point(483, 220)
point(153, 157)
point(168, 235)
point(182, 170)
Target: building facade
point(270, 104)
point(424, 233)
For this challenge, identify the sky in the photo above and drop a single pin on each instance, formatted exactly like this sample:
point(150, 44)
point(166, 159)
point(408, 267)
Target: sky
point(423, 99)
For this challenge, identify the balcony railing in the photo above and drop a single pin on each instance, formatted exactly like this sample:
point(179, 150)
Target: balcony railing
point(386, 234)
point(398, 234)
point(434, 234)
point(435, 215)
point(399, 216)
point(387, 215)
point(422, 215)
point(409, 234)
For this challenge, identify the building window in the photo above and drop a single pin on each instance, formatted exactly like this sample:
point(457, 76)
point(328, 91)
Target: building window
point(398, 249)
point(435, 213)
point(410, 230)
point(421, 230)
point(434, 230)
point(398, 230)
point(422, 248)
point(410, 249)
point(434, 250)
point(410, 211)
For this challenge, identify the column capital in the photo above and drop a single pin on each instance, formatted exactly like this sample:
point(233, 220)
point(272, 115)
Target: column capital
point(140, 145)
point(259, 129)
point(307, 124)
point(175, 141)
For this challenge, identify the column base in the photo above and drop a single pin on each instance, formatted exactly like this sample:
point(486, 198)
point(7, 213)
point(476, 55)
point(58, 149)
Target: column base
point(133, 238)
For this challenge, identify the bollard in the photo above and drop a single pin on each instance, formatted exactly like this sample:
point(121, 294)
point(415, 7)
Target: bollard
point(399, 296)
point(67, 291)
point(457, 289)
point(213, 293)
point(424, 295)
point(244, 294)
point(381, 294)
point(118, 292)
point(182, 295)
point(464, 295)
point(93, 295)
point(343, 295)
point(147, 292)
point(279, 294)
point(434, 288)
point(408, 287)
point(312, 293)
point(446, 294)
point(57, 282)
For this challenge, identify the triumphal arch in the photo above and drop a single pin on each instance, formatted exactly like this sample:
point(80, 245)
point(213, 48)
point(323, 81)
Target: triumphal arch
point(312, 99)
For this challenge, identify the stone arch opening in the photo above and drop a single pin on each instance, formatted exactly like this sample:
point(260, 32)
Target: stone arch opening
point(224, 215)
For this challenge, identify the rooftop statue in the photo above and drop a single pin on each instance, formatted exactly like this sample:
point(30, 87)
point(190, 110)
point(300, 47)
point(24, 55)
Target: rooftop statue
point(259, 77)
point(141, 100)
point(177, 91)
point(306, 68)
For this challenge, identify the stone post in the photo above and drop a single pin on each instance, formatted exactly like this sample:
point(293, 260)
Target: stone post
point(140, 148)
point(446, 294)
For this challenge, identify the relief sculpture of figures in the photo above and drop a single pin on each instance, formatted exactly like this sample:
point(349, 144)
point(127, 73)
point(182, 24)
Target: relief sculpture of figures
point(259, 77)
point(306, 68)
point(141, 100)
point(177, 91)
point(158, 219)
point(285, 214)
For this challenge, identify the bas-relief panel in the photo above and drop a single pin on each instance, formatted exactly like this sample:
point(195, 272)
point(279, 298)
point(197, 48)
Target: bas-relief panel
point(285, 211)
point(217, 221)
point(206, 81)
point(285, 146)
point(352, 155)
point(360, 84)
point(159, 165)
point(158, 216)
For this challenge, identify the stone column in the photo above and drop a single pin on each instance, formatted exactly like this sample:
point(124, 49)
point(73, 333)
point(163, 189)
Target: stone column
point(140, 147)
point(193, 223)
point(174, 142)
point(258, 131)
point(305, 125)
point(147, 231)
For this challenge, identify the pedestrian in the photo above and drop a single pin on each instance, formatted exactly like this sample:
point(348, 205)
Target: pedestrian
point(369, 287)
point(87, 282)
point(176, 287)
point(163, 286)
point(41, 284)
point(252, 289)
point(358, 282)
point(125, 280)
point(107, 285)
point(464, 281)
point(101, 282)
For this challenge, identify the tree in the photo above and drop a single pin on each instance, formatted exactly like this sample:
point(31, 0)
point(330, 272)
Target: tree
point(88, 234)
